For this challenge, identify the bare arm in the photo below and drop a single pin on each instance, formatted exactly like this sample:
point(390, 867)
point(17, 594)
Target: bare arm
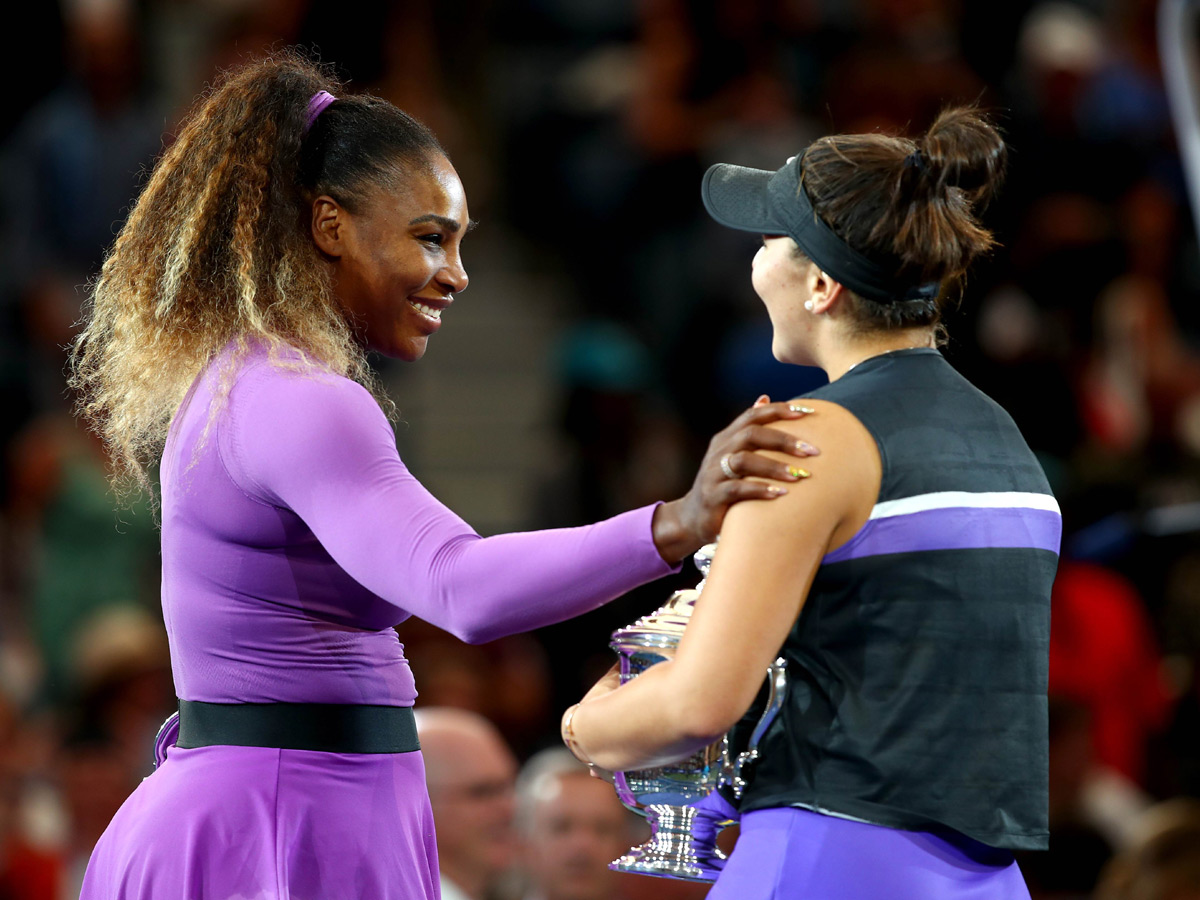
point(768, 556)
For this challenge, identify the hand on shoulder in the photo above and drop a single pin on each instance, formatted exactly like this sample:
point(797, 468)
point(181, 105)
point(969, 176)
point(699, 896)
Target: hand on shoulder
point(841, 483)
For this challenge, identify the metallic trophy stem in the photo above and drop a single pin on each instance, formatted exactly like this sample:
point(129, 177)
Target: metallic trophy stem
point(673, 851)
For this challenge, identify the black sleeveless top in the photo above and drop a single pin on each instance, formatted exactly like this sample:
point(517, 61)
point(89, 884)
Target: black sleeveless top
point(917, 669)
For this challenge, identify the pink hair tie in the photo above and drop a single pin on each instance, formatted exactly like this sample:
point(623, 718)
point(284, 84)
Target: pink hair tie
point(316, 106)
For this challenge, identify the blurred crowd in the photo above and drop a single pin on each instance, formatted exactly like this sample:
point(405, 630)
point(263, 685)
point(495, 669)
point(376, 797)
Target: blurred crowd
point(581, 128)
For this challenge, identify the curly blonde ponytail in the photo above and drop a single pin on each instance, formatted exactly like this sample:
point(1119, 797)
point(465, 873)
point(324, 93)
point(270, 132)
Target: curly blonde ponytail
point(217, 250)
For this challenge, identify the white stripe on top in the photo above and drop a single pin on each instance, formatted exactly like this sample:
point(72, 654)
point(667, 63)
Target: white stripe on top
point(959, 499)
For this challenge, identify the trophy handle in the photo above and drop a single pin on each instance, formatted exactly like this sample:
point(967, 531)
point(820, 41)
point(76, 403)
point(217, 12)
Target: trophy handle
point(731, 774)
point(626, 796)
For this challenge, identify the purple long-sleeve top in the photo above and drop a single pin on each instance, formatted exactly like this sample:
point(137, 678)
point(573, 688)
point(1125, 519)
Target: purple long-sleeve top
point(294, 538)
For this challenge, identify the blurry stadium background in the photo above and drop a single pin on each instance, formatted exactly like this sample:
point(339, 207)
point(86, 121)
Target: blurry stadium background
point(610, 328)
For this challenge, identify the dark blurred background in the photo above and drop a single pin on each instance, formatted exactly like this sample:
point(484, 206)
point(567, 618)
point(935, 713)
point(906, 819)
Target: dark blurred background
point(610, 328)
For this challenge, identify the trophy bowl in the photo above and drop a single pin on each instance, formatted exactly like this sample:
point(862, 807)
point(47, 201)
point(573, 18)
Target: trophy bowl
point(682, 844)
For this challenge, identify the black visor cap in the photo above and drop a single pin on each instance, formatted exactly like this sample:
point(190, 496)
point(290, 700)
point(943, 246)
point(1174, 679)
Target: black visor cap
point(776, 203)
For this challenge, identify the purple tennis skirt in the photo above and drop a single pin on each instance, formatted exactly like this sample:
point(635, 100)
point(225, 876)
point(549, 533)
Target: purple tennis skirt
point(794, 853)
point(255, 823)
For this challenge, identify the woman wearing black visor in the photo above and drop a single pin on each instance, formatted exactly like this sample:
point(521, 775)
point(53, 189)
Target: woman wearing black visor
point(908, 586)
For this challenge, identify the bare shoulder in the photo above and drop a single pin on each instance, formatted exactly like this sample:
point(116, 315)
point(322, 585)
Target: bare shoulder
point(843, 478)
point(843, 440)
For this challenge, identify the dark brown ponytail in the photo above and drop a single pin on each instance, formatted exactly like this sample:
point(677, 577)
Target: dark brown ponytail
point(913, 203)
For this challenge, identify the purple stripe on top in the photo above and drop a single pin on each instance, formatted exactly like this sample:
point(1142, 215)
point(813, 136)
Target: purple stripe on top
point(954, 528)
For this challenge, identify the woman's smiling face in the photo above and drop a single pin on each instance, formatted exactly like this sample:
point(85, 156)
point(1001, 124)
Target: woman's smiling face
point(397, 261)
point(778, 277)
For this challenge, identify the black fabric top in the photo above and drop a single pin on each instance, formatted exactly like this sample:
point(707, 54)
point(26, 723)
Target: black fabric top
point(917, 668)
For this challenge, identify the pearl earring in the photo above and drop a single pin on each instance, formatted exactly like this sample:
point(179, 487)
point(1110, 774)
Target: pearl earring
point(808, 304)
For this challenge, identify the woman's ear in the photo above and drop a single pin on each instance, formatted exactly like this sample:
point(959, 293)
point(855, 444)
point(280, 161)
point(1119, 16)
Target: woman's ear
point(823, 291)
point(329, 223)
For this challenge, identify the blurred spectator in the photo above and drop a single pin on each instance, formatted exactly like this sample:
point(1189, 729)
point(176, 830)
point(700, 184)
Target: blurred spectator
point(471, 776)
point(79, 555)
point(123, 685)
point(521, 685)
point(624, 450)
point(32, 865)
point(123, 692)
point(1178, 755)
point(71, 170)
point(1132, 368)
point(1078, 848)
point(1103, 655)
point(1022, 350)
point(94, 778)
point(1125, 100)
point(453, 673)
point(1164, 862)
point(508, 681)
point(903, 69)
point(572, 826)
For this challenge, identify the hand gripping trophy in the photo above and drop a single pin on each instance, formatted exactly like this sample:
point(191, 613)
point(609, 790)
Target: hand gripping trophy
point(680, 846)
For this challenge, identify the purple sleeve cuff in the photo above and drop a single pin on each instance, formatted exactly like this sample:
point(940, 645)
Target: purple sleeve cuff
point(648, 529)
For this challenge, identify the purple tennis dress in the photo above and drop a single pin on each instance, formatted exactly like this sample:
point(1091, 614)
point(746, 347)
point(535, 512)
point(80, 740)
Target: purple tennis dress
point(293, 539)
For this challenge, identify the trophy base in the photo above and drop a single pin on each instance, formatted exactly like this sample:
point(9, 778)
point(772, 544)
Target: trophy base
point(672, 851)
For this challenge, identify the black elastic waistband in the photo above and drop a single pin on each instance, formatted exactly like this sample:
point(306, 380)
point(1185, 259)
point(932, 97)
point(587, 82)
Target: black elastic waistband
point(331, 727)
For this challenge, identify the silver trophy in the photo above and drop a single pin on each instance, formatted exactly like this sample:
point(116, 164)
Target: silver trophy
point(681, 845)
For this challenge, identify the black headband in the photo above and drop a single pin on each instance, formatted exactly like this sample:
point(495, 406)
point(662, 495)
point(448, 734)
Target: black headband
point(777, 203)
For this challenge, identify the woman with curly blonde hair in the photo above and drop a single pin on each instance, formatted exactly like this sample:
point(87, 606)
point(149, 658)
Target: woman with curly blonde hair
point(287, 231)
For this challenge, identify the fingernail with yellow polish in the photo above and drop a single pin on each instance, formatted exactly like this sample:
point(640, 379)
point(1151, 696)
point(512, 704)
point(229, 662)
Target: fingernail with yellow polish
point(799, 473)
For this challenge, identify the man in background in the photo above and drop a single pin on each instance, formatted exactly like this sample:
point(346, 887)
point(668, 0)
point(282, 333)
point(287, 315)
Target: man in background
point(572, 826)
point(471, 773)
